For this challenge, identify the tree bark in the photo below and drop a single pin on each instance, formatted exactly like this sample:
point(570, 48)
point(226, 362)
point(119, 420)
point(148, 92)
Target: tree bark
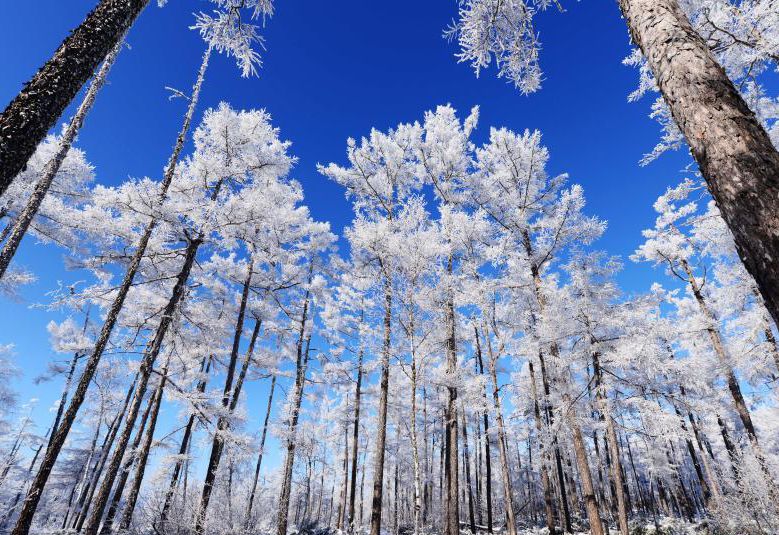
point(33, 497)
point(381, 431)
point(467, 462)
point(452, 509)
point(32, 113)
point(735, 155)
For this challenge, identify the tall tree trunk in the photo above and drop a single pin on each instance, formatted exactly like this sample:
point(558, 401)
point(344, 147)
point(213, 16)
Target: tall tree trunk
point(452, 509)
point(289, 459)
point(580, 450)
point(467, 462)
point(297, 399)
point(611, 439)
point(143, 455)
point(339, 525)
point(734, 152)
point(487, 455)
point(143, 380)
point(32, 113)
point(414, 438)
point(49, 173)
point(355, 440)
point(205, 368)
point(508, 493)
point(247, 521)
point(381, 436)
point(85, 497)
point(33, 497)
point(108, 522)
point(229, 401)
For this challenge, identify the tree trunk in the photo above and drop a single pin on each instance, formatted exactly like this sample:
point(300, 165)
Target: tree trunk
point(143, 379)
point(487, 456)
point(381, 431)
point(467, 462)
point(591, 503)
point(247, 522)
point(611, 438)
point(30, 505)
point(49, 173)
point(297, 399)
point(108, 522)
point(452, 509)
point(734, 152)
point(205, 368)
point(229, 401)
point(339, 525)
point(143, 455)
point(511, 525)
point(355, 440)
point(32, 113)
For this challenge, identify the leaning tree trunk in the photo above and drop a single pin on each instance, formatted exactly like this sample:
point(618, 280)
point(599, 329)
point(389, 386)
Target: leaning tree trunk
point(205, 368)
point(355, 440)
point(247, 521)
point(52, 167)
point(229, 399)
point(33, 497)
point(143, 455)
point(381, 432)
point(143, 380)
point(30, 115)
point(735, 154)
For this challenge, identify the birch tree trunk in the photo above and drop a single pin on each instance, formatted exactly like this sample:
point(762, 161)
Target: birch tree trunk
point(381, 431)
point(32, 113)
point(33, 497)
point(451, 439)
point(735, 155)
point(144, 373)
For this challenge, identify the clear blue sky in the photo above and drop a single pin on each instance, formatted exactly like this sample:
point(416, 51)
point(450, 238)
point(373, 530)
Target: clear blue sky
point(334, 70)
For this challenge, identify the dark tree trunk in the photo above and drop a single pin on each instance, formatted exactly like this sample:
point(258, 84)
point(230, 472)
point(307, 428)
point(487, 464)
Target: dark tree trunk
point(247, 522)
point(355, 441)
point(381, 431)
point(546, 484)
point(32, 113)
point(33, 497)
point(205, 367)
point(143, 380)
point(469, 487)
point(487, 456)
point(452, 509)
point(734, 152)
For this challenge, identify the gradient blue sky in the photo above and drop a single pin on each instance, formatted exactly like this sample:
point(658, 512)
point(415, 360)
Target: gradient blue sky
point(334, 70)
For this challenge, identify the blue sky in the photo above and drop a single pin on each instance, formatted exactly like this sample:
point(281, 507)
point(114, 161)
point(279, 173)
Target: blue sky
point(333, 70)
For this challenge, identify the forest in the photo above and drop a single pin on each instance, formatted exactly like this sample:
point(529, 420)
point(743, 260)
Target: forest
point(459, 357)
